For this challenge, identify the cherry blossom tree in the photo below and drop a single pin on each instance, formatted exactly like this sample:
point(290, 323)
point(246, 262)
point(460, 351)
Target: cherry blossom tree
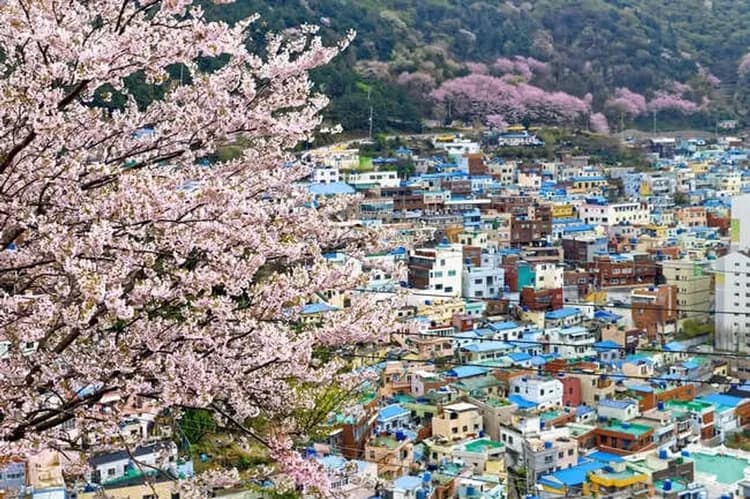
point(479, 96)
point(599, 123)
point(134, 270)
point(627, 102)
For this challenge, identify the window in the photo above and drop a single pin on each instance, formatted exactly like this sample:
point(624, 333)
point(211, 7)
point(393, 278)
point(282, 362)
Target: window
point(451, 273)
point(111, 472)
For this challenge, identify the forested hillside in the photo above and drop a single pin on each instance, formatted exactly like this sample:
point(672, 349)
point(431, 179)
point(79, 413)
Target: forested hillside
point(411, 58)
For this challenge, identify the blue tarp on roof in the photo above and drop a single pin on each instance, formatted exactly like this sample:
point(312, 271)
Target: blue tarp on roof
point(674, 346)
point(466, 371)
point(582, 410)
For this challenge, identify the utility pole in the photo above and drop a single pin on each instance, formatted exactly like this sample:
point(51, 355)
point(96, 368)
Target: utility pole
point(369, 93)
point(654, 122)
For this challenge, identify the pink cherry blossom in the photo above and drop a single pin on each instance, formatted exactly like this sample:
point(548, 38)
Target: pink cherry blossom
point(483, 95)
point(477, 68)
point(599, 123)
point(663, 101)
point(139, 274)
point(628, 102)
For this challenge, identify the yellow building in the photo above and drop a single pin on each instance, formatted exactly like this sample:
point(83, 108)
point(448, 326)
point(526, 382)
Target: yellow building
point(458, 422)
point(442, 311)
point(563, 211)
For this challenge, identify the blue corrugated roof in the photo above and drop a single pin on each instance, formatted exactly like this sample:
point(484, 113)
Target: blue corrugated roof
point(407, 482)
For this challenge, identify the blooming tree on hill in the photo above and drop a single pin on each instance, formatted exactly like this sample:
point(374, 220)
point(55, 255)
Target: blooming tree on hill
point(627, 102)
point(479, 96)
point(131, 268)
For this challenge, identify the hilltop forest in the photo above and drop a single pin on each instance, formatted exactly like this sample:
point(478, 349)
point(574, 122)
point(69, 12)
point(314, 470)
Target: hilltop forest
point(615, 63)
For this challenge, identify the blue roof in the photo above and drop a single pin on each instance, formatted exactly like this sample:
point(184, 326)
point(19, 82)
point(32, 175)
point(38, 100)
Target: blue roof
point(317, 308)
point(407, 482)
point(332, 189)
point(605, 457)
point(690, 364)
point(519, 356)
point(562, 313)
point(674, 346)
point(582, 410)
point(521, 402)
point(538, 360)
point(486, 346)
point(391, 411)
point(466, 371)
point(721, 399)
point(503, 326)
point(615, 404)
point(641, 388)
point(572, 476)
point(607, 316)
point(603, 346)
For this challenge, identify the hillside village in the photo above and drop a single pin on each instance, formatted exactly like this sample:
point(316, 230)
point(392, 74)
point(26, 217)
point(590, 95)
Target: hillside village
point(570, 329)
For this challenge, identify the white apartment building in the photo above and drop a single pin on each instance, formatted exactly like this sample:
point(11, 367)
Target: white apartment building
point(543, 391)
point(599, 211)
point(548, 276)
point(573, 342)
point(741, 222)
point(732, 289)
point(483, 282)
point(325, 175)
point(439, 269)
point(380, 178)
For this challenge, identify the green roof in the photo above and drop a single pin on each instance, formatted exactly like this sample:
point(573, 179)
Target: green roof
point(726, 469)
point(482, 444)
point(677, 485)
point(631, 428)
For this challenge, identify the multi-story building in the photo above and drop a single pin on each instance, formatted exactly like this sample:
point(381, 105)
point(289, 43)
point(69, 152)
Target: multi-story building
point(484, 281)
point(600, 211)
point(543, 391)
point(732, 289)
point(694, 288)
point(325, 175)
point(458, 422)
point(654, 310)
point(623, 438)
point(394, 454)
point(547, 456)
point(438, 269)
